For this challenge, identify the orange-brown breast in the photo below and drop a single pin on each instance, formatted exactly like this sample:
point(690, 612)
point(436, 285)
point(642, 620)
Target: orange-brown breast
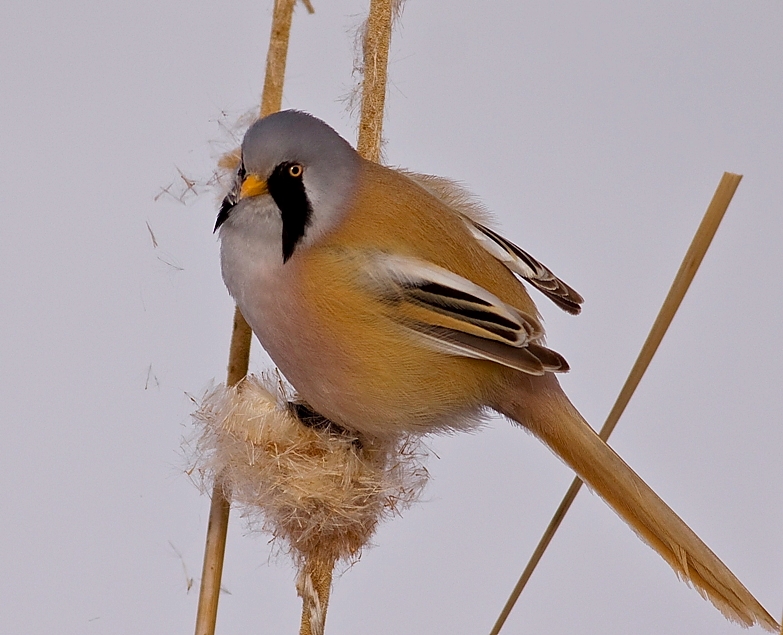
point(373, 369)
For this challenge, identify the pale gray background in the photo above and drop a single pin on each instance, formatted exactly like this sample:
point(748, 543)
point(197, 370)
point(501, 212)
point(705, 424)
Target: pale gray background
point(597, 131)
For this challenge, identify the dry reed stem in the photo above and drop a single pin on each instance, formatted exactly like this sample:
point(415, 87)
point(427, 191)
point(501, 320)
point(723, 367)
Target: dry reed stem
point(319, 492)
point(690, 265)
point(239, 353)
point(212, 571)
point(272, 97)
point(314, 586)
point(377, 37)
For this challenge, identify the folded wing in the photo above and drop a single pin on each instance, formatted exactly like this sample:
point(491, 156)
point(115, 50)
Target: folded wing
point(458, 317)
point(476, 218)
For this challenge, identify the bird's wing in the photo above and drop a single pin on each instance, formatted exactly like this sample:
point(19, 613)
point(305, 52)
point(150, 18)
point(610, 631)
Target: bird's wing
point(458, 317)
point(526, 267)
point(517, 260)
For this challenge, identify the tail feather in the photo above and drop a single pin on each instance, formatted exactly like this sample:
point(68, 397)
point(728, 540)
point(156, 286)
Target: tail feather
point(540, 406)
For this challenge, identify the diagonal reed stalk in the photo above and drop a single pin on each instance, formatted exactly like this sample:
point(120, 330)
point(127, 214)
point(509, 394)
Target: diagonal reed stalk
point(690, 265)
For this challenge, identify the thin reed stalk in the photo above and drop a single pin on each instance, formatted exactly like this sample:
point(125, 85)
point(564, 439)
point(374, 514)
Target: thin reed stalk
point(239, 352)
point(690, 265)
point(377, 37)
point(316, 579)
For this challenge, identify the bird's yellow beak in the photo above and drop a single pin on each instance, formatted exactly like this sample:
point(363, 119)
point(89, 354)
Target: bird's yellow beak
point(252, 186)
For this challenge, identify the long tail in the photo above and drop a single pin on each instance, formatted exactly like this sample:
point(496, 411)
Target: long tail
point(539, 404)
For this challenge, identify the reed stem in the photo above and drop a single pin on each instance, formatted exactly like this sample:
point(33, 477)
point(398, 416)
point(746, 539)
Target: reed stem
point(690, 265)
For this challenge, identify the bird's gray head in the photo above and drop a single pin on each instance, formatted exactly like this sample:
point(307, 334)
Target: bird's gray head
point(298, 167)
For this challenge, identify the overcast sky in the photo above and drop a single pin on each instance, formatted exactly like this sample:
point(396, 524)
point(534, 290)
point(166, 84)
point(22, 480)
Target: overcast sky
point(597, 133)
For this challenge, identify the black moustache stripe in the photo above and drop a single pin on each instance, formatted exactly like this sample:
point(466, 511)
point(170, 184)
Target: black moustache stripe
point(231, 198)
point(225, 210)
point(290, 196)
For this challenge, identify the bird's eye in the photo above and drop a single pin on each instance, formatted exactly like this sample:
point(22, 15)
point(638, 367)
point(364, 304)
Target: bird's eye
point(295, 170)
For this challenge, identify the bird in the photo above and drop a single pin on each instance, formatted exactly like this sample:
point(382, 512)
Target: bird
point(392, 307)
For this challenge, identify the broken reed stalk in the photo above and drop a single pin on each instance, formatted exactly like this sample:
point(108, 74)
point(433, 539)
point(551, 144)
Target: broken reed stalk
point(690, 265)
point(375, 58)
point(239, 352)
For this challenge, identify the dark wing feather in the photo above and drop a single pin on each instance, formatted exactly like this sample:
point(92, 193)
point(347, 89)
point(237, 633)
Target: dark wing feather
point(527, 267)
point(459, 317)
point(475, 215)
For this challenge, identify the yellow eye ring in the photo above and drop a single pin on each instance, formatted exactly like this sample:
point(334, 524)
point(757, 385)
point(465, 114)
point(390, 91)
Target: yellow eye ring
point(295, 170)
